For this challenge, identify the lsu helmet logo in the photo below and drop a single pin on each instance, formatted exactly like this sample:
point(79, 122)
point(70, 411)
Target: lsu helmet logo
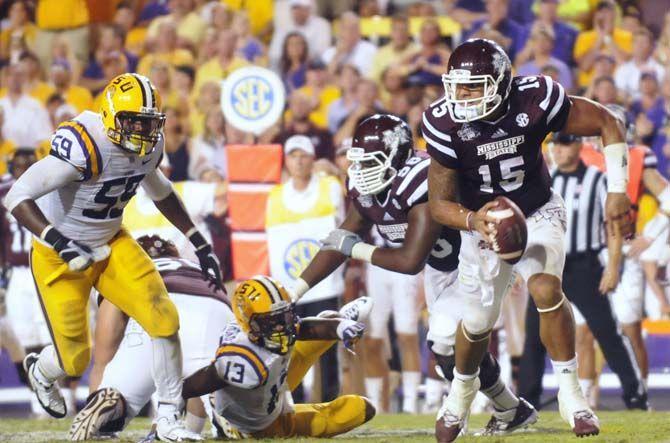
point(253, 99)
point(298, 255)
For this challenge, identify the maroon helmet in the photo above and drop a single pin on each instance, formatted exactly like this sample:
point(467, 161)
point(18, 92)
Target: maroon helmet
point(477, 62)
point(380, 147)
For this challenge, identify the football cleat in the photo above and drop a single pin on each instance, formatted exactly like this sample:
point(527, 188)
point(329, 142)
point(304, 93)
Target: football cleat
point(637, 401)
point(504, 422)
point(48, 395)
point(574, 409)
point(357, 310)
point(171, 429)
point(104, 414)
point(452, 418)
point(585, 423)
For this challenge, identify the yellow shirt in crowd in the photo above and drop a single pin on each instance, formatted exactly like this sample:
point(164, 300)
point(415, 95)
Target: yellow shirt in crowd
point(173, 58)
point(387, 56)
point(61, 14)
point(7, 147)
point(261, 12)
point(191, 27)
point(587, 39)
point(212, 70)
point(319, 116)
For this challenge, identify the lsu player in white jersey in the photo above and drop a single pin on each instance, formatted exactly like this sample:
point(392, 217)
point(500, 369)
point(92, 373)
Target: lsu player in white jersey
point(265, 354)
point(96, 163)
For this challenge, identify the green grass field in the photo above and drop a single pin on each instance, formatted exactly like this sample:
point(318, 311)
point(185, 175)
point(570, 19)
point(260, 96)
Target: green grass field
point(619, 427)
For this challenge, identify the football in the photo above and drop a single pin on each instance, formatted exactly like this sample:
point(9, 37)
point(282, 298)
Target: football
point(509, 241)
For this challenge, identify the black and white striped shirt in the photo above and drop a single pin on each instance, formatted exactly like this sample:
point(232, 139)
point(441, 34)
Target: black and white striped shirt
point(584, 192)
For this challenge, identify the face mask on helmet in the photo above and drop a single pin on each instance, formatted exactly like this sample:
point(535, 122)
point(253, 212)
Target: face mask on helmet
point(139, 132)
point(370, 172)
point(470, 109)
point(276, 330)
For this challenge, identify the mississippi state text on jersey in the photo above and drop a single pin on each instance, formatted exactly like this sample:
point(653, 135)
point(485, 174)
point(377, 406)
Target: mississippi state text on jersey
point(501, 157)
point(388, 211)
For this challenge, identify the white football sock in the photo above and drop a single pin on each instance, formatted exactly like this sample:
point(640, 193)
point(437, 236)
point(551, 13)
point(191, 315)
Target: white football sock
point(48, 369)
point(566, 375)
point(500, 395)
point(194, 423)
point(167, 372)
point(586, 384)
point(410, 391)
point(434, 391)
point(464, 387)
point(374, 390)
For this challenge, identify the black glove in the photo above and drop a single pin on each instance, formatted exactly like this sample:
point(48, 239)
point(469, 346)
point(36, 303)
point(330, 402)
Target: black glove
point(209, 263)
point(77, 256)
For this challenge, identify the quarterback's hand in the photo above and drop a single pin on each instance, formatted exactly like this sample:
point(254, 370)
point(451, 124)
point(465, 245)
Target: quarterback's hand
point(209, 263)
point(482, 222)
point(77, 256)
point(617, 211)
point(350, 332)
point(341, 240)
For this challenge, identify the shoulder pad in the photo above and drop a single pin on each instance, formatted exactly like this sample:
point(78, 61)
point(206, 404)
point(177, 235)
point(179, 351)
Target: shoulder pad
point(73, 143)
point(545, 101)
point(240, 366)
point(411, 183)
point(436, 128)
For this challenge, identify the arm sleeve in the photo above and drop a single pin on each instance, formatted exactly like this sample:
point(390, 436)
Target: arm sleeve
point(156, 185)
point(41, 178)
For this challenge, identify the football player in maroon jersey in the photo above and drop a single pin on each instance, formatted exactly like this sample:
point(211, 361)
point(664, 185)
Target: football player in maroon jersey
point(388, 189)
point(485, 139)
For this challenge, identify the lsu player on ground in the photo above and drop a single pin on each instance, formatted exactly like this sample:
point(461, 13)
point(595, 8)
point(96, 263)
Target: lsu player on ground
point(388, 188)
point(484, 137)
point(96, 163)
point(126, 385)
point(265, 355)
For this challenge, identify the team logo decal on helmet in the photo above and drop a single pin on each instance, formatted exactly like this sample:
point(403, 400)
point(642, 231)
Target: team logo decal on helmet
point(380, 147)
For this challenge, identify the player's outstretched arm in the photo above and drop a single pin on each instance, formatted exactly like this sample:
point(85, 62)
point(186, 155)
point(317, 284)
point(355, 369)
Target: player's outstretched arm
point(160, 190)
point(588, 118)
point(203, 381)
point(328, 260)
point(315, 328)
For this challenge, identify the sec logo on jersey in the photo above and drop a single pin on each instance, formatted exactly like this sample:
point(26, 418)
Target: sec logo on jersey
point(252, 99)
point(298, 255)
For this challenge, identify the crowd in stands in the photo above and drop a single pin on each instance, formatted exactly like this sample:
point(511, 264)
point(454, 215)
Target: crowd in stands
point(340, 62)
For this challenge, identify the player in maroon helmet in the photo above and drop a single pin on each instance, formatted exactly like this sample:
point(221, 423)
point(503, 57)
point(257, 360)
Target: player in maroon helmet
point(388, 190)
point(485, 139)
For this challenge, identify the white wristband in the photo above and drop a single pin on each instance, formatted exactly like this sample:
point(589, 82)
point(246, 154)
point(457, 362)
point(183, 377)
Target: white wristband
point(664, 200)
point(616, 162)
point(299, 288)
point(363, 251)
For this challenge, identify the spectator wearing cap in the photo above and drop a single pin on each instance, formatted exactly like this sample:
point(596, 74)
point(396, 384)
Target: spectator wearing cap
point(67, 18)
point(564, 34)
point(320, 91)
point(350, 48)
point(348, 78)
point(19, 32)
point(498, 19)
point(60, 76)
point(426, 64)
point(302, 19)
point(300, 212)
point(165, 50)
point(298, 122)
point(400, 46)
point(605, 37)
point(190, 27)
point(26, 121)
point(111, 41)
point(225, 62)
point(293, 61)
point(585, 282)
point(541, 44)
point(627, 75)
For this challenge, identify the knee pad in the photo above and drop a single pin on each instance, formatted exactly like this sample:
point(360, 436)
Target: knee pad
point(75, 359)
point(489, 371)
point(165, 324)
point(446, 363)
point(479, 321)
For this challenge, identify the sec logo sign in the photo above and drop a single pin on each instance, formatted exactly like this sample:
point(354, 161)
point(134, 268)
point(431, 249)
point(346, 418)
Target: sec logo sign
point(253, 99)
point(298, 255)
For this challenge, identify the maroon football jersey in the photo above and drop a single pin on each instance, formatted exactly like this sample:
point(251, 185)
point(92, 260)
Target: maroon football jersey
point(389, 211)
point(502, 157)
point(16, 240)
point(185, 277)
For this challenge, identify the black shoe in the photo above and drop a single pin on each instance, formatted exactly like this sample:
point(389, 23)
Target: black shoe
point(524, 415)
point(637, 401)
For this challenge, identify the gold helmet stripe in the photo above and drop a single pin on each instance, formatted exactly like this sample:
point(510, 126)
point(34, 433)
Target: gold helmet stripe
point(145, 87)
point(270, 287)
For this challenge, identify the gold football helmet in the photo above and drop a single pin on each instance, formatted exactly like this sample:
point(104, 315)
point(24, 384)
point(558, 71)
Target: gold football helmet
point(131, 113)
point(264, 311)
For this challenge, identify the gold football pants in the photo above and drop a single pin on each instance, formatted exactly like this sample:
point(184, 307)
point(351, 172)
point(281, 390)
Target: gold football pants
point(127, 278)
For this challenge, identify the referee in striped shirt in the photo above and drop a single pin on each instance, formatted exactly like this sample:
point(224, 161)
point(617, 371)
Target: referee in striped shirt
point(584, 190)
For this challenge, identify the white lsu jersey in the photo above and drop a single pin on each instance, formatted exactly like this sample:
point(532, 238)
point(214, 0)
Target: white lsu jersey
point(256, 389)
point(90, 208)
